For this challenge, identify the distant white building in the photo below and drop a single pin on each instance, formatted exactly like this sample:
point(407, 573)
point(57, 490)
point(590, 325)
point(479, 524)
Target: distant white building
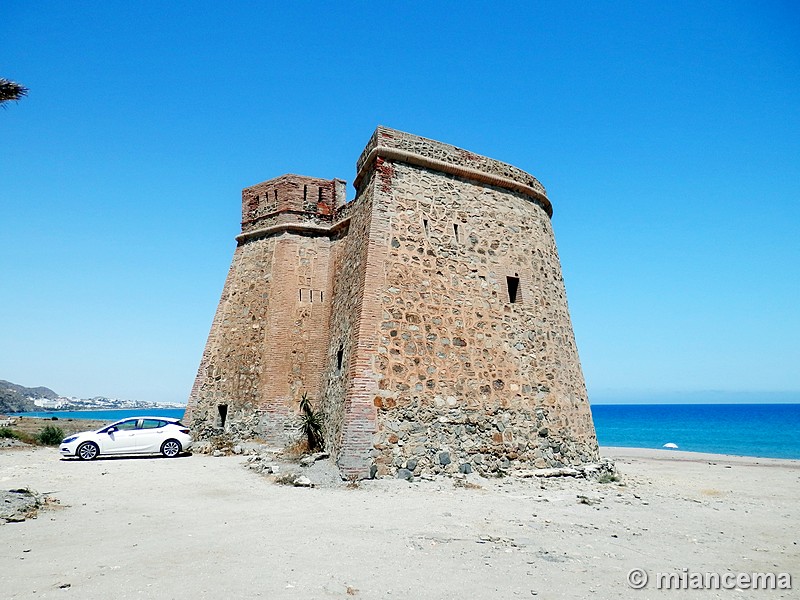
point(47, 403)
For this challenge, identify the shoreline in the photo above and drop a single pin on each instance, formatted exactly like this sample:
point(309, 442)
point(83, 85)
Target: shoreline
point(666, 454)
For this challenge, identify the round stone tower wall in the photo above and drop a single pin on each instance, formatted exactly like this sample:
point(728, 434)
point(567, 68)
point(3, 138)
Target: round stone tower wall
point(474, 365)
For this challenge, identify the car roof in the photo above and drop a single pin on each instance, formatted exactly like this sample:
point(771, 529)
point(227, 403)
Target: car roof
point(167, 419)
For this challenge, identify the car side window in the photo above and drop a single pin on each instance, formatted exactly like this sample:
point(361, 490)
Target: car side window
point(151, 424)
point(127, 425)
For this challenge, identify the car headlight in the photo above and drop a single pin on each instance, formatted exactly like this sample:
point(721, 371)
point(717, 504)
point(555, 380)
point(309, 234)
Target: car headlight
point(69, 439)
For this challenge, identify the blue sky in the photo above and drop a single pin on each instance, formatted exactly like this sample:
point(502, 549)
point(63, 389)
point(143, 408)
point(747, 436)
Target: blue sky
point(667, 135)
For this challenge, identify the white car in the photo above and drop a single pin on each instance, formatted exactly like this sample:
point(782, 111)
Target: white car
point(134, 435)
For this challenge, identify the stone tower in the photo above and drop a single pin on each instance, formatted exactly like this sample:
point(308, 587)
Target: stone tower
point(427, 319)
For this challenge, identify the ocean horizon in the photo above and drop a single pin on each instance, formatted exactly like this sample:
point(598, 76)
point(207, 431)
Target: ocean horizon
point(757, 430)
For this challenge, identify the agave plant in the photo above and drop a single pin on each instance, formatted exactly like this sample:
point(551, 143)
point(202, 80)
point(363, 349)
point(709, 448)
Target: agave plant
point(311, 424)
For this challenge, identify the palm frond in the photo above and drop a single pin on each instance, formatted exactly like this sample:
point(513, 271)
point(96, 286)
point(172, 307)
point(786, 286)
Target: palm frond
point(11, 90)
point(311, 424)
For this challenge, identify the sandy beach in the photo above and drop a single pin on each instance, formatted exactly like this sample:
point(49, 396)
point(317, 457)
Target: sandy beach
point(206, 527)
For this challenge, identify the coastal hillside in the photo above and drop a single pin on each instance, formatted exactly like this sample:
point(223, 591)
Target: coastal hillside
point(18, 398)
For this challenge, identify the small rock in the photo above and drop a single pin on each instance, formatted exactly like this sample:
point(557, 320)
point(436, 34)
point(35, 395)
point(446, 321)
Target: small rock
point(303, 481)
point(237, 449)
point(411, 464)
point(588, 501)
point(444, 458)
point(307, 461)
point(466, 468)
point(404, 474)
point(202, 447)
point(217, 453)
point(20, 504)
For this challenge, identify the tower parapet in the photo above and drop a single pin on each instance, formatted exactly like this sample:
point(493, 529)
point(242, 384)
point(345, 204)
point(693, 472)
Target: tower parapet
point(290, 201)
point(390, 144)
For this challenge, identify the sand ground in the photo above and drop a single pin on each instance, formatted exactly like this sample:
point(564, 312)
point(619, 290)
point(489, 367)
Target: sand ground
point(201, 527)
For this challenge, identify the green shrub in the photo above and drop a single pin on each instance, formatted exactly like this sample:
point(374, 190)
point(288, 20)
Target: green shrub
point(22, 436)
point(7, 432)
point(50, 435)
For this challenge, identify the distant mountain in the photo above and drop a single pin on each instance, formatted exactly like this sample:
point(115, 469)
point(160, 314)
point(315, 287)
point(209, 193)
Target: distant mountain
point(18, 398)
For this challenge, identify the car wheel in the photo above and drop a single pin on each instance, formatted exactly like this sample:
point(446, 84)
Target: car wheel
point(88, 451)
point(171, 448)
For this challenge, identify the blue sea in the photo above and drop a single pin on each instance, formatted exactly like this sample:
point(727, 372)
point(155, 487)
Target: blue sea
point(106, 415)
point(762, 430)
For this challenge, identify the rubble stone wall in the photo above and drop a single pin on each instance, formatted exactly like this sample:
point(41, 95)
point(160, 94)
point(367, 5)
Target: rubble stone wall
point(467, 374)
point(230, 370)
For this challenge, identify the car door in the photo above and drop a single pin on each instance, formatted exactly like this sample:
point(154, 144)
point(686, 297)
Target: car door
point(150, 435)
point(119, 438)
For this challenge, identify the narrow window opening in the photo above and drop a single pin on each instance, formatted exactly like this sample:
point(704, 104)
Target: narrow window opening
point(513, 289)
point(455, 230)
point(223, 414)
point(320, 194)
point(275, 194)
point(339, 357)
point(301, 294)
point(321, 298)
point(425, 226)
point(311, 295)
point(305, 193)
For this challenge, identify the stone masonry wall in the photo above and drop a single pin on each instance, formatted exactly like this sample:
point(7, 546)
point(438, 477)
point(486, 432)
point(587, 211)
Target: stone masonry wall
point(295, 346)
point(196, 408)
point(269, 343)
point(446, 153)
point(347, 406)
point(467, 376)
point(427, 319)
point(230, 373)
